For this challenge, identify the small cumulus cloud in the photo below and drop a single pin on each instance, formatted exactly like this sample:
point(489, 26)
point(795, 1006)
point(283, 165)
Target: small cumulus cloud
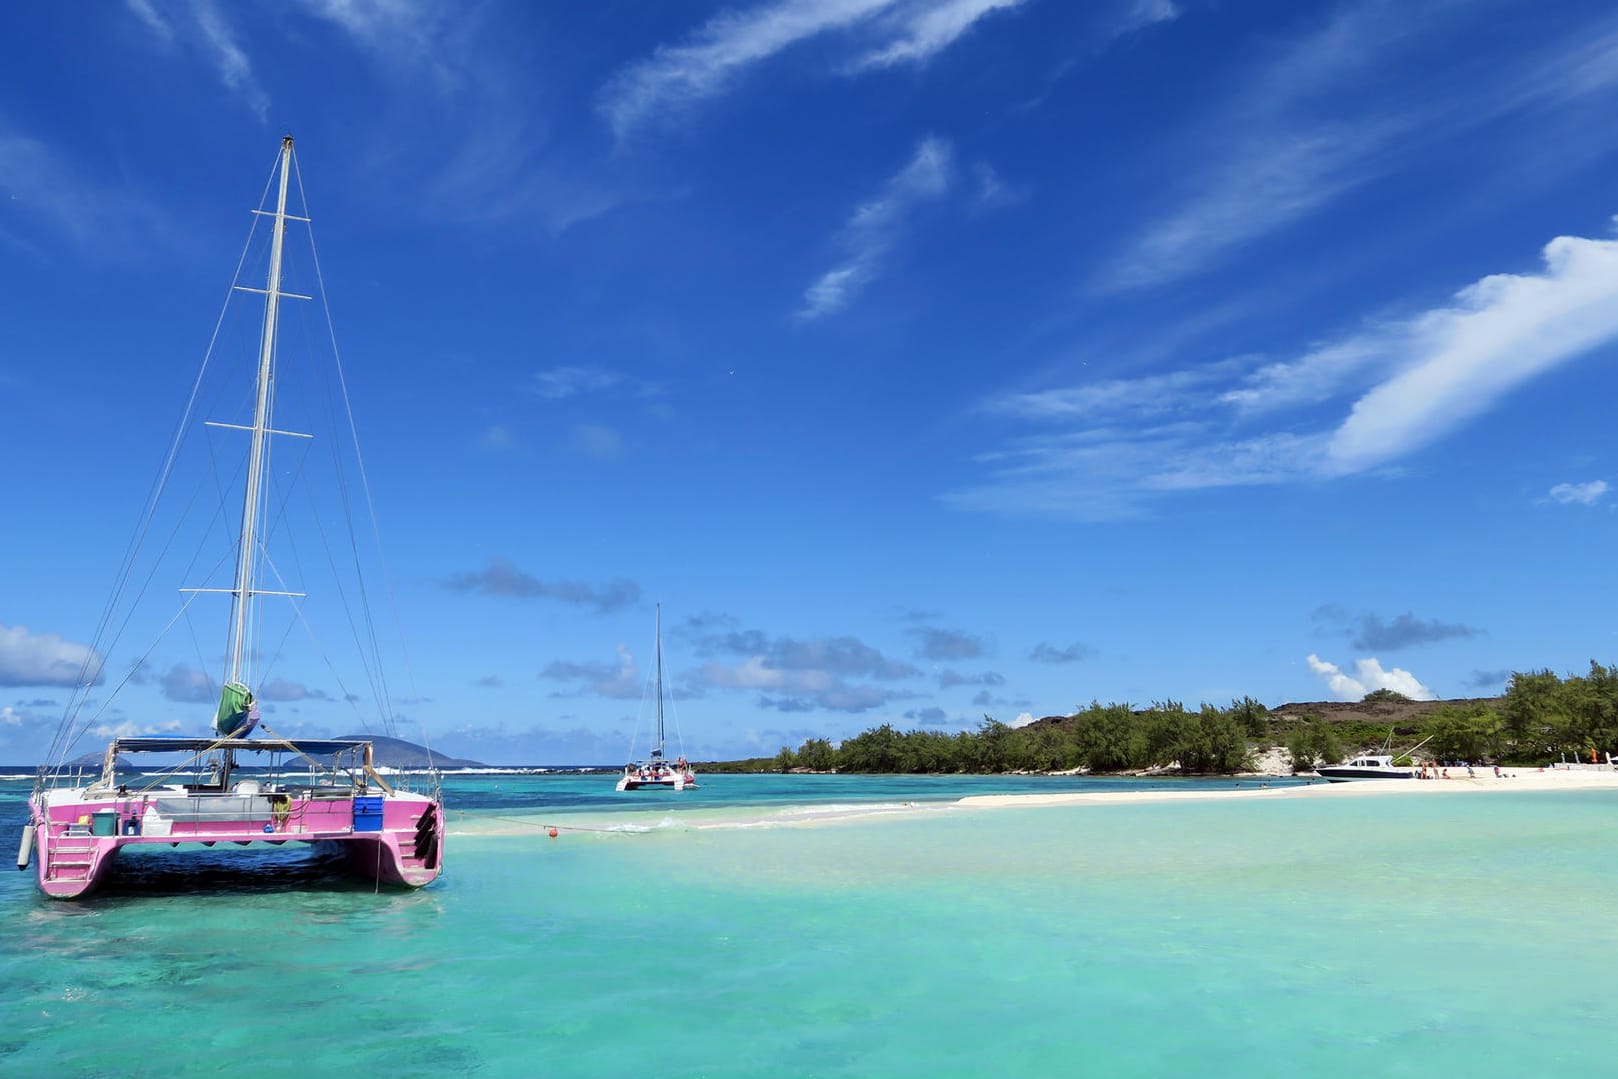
point(1023, 719)
point(130, 728)
point(188, 685)
point(947, 644)
point(948, 679)
point(1368, 676)
point(1049, 653)
point(798, 675)
point(620, 680)
point(1582, 494)
point(1489, 679)
point(280, 689)
point(502, 578)
point(1373, 633)
point(45, 659)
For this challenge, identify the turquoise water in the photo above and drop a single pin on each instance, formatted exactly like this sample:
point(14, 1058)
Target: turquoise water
point(1396, 935)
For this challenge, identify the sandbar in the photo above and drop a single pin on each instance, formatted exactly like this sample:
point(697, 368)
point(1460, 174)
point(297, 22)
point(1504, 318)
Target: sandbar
point(1602, 777)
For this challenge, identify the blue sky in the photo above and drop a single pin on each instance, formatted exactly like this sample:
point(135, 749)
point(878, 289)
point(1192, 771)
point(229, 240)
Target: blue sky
point(923, 359)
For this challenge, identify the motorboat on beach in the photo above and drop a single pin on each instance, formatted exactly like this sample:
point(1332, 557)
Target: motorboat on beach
point(229, 787)
point(656, 772)
point(1366, 766)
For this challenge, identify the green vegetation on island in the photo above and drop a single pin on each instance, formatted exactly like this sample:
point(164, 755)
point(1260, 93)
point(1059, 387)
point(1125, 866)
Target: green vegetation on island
point(1541, 718)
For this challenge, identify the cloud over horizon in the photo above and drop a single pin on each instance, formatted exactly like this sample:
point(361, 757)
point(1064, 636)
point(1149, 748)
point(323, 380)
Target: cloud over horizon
point(1368, 676)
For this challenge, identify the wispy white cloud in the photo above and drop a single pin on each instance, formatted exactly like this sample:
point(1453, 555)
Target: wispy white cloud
point(1405, 384)
point(595, 440)
point(990, 192)
point(1149, 12)
point(50, 197)
point(1582, 494)
point(1368, 676)
point(201, 25)
point(400, 31)
point(708, 61)
point(875, 227)
point(919, 30)
point(497, 437)
point(560, 383)
point(1460, 360)
point(1317, 375)
point(1275, 179)
point(1345, 103)
point(1133, 399)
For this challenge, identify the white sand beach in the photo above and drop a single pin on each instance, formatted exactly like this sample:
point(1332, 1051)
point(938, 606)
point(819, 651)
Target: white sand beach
point(1483, 781)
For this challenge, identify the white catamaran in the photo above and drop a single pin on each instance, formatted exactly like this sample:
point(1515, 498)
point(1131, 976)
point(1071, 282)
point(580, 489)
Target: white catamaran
point(657, 772)
point(229, 788)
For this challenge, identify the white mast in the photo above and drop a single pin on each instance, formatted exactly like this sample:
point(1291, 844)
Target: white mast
point(242, 593)
point(659, 754)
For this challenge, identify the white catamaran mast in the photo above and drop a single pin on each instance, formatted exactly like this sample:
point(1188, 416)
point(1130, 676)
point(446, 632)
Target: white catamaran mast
point(242, 593)
point(658, 755)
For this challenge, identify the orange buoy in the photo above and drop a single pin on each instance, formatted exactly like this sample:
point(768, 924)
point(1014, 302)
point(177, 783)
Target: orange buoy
point(551, 832)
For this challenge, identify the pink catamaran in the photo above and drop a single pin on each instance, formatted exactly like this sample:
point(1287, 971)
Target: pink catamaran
point(231, 788)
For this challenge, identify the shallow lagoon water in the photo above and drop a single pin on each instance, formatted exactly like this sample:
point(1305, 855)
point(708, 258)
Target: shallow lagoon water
point(786, 934)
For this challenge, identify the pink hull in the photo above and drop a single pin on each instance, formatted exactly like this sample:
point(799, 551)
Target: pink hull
point(404, 848)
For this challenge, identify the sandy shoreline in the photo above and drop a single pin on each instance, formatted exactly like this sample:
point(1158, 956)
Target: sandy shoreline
point(532, 823)
point(1485, 781)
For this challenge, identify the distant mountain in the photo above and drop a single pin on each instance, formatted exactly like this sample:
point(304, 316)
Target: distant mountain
point(397, 753)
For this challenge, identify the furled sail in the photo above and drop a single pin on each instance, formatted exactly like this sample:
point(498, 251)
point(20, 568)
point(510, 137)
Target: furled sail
point(238, 712)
